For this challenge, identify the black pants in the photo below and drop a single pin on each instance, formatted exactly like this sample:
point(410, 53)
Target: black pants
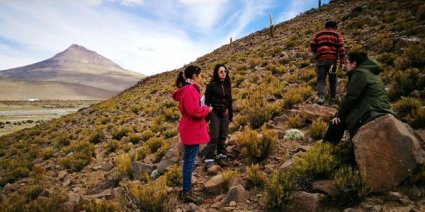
point(219, 129)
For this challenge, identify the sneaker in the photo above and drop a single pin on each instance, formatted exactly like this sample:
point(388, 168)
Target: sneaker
point(190, 196)
point(208, 163)
point(321, 100)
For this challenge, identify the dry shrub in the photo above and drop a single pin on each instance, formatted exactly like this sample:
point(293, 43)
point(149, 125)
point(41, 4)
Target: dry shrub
point(257, 147)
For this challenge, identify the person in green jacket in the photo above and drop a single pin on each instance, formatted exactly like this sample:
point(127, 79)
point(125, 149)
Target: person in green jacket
point(365, 100)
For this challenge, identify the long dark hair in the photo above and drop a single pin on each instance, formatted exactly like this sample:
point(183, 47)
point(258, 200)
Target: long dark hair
point(216, 78)
point(188, 73)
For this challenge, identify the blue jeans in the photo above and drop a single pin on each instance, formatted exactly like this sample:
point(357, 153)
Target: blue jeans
point(322, 70)
point(190, 153)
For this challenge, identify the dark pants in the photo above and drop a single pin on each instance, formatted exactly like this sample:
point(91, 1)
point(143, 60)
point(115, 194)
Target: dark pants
point(322, 71)
point(219, 128)
point(334, 133)
point(189, 158)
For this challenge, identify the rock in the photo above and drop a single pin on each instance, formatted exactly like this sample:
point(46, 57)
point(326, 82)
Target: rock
point(303, 201)
point(232, 204)
point(170, 158)
point(9, 188)
point(394, 196)
point(216, 184)
point(421, 134)
point(280, 119)
point(62, 174)
point(118, 194)
point(324, 186)
point(192, 207)
point(138, 168)
point(107, 167)
point(235, 194)
point(237, 181)
point(214, 169)
point(73, 203)
point(66, 182)
point(105, 193)
point(387, 152)
point(101, 187)
point(313, 111)
point(285, 166)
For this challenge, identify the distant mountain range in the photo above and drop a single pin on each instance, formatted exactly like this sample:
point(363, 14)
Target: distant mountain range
point(76, 73)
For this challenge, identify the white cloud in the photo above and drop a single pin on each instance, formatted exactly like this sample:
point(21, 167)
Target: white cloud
point(204, 14)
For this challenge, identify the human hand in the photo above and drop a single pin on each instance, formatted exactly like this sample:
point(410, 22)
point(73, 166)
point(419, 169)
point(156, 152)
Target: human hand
point(210, 109)
point(336, 120)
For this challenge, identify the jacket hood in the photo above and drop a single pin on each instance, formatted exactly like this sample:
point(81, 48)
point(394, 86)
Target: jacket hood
point(177, 94)
point(371, 65)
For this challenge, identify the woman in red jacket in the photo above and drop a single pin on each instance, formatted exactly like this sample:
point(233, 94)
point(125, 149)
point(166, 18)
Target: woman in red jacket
point(192, 125)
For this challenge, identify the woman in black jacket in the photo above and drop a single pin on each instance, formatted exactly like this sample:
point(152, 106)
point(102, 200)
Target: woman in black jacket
point(218, 95)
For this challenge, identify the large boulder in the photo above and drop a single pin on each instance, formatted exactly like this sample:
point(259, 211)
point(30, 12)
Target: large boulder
point(387, 152)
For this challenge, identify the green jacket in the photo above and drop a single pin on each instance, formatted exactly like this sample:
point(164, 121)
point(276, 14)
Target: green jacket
point(366, 97)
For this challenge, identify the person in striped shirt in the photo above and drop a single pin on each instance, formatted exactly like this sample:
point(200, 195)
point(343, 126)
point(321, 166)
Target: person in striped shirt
point(328, 47)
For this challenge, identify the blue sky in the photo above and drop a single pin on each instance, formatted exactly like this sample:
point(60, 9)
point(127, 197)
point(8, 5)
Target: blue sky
point(146, 36)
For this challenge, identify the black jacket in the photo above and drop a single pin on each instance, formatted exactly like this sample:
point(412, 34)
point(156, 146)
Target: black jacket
point(219, 97)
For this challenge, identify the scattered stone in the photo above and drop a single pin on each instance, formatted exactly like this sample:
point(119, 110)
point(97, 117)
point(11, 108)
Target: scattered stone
point(108, 167)
point(62, 174)
point(313, 111)
point(235, 194)
point(102, 186)
point(280, 119)
point(66, 182)
point(170, 158)
point(216, 184)
point(324, 186)
point(214, 169)
point(387, 152)
point(237, 181)
point(285, 166)
point(303, 201)
point(105, 193)
point(137, 169)
point(192, 207)
point(232, 204)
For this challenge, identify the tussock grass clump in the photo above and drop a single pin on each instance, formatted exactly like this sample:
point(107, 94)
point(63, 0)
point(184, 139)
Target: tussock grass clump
point(255, 176)
point(118, 133)
point(317, 129)
point(257, 111)
point(155, 143)
point(140, 153)
point(134, 138)
point(46, 153)
point(406, 106)
point(418, 120)
point(174, 176)
point(112, 145)
point(82, 155)
point(97, 137)
point(257, 147)
point(14, 169)
point(350, 189)
point(295, 121)
point(404, 82)
point(124, 164)
point(151, 196)
point(318, 161)
point(51, 203)
point(147, 134)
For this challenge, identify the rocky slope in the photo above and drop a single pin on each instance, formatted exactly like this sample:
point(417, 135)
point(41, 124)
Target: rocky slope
point(101, 157)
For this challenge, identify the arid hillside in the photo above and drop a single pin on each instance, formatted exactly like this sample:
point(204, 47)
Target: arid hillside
point(102, 157)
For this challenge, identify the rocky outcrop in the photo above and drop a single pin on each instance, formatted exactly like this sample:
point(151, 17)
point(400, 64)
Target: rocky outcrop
point(387, 152)
point(313, 111)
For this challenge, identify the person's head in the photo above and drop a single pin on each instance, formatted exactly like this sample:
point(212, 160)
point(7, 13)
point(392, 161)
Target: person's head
point(191, 72)
point(331, 25)
point(354, 59)
point(221, 73)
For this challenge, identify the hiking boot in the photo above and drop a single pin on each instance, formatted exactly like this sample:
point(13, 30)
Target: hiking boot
point(221, 160)
point(321, 100)
point(190, 197)
point(208, 163)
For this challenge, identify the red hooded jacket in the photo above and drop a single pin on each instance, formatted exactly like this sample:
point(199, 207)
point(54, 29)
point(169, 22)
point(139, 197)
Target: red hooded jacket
point(192, 125)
